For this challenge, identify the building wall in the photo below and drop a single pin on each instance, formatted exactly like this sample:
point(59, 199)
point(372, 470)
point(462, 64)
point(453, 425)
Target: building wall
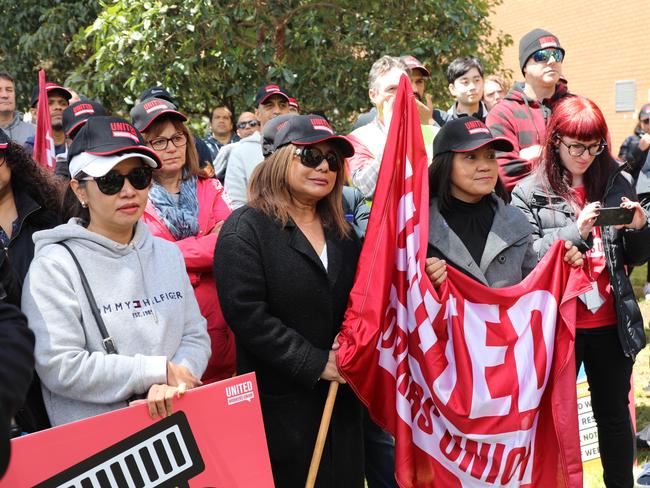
point(605, 41)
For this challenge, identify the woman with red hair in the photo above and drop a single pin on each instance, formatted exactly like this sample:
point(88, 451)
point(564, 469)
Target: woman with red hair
point(575, 177)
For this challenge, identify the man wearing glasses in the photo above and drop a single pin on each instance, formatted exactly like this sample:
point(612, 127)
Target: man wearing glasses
point(247, 124)
point(521, 116)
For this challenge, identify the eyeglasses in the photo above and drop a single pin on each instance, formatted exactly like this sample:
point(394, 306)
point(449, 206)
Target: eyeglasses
point(577, 150)
point(112, 182)
point(248, 123)
point(160, 143)
point(543, 55)
point(312, 158)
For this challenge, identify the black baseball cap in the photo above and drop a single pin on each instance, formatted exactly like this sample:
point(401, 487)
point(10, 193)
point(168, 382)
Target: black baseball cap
point(105, 141)
point(76, 115)
point(466, 134)
point(644, 112)
point(145, 112)
point(267, 91)
point(304, 130)
point(156, 92)
point(50, 87)
point(270, 130)
point(4, 140)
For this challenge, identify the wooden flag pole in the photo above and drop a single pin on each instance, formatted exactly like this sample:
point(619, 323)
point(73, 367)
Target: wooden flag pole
point(322, 434)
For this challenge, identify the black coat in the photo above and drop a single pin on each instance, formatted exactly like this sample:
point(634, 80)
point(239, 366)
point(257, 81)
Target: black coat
point(16, 258)
point(16, 369)
point(285, 310)
point(14, 264)
point(552, 219)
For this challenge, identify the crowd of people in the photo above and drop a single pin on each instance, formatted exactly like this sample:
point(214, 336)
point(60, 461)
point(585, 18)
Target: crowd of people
point(236, 251)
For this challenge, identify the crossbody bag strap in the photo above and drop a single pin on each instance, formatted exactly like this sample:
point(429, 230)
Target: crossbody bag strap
point(107, 340)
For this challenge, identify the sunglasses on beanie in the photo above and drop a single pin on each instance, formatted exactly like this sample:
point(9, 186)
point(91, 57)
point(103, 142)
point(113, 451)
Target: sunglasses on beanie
point(112, 182)
point(543, 55)
point(312, 158)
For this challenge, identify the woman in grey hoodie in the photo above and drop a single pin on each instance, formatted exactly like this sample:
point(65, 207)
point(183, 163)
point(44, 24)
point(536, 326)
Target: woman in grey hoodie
point(139, 283)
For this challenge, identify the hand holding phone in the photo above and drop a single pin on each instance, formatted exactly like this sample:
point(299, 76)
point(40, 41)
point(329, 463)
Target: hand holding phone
point(614, 216)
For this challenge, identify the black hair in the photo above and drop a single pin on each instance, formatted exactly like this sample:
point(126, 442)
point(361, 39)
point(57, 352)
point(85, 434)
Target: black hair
point(460, 66)
point(71, 206)
point(440, 181)
point(6, 76)
point(28, 177)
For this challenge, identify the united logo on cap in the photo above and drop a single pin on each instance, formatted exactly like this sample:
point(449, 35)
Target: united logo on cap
point(476, 127)
point(121, 129)
point(321, 124)
point(82, 109)
point(154, 105)
point(548, 41)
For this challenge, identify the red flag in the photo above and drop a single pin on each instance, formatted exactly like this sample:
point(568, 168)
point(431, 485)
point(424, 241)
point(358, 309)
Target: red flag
point(44, 142)
point(471, 381)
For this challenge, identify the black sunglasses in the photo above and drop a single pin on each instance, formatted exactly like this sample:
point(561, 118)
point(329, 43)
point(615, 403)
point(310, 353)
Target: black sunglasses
point(543, 55)
point(248, 123)
point(112, 182)
point(312, 158)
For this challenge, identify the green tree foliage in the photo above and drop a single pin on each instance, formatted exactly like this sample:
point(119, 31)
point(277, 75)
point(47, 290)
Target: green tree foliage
point(35, 35)
point(210, 51)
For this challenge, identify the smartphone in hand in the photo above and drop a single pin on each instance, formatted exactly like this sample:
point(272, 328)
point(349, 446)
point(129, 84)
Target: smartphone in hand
point(614, 216)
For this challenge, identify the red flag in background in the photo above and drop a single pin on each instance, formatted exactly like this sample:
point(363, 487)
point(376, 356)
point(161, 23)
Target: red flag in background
point(476, 384)
point(44, 142)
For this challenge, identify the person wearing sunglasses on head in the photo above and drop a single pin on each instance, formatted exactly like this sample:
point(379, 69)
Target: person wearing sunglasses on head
point(284, 267)
point(144, 334)
point(521, 117)
point(189, 210)
point(575, 177)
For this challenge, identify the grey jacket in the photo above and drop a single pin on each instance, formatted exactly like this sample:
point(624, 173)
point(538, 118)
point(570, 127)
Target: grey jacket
point(241, 161)
point(18, 130)
point(146, 301)
point(508, 256)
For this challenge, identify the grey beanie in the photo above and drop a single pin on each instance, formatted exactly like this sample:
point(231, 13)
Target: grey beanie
point(534, 41)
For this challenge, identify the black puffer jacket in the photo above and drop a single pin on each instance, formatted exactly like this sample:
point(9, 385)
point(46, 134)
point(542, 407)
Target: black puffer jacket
point(552, 219)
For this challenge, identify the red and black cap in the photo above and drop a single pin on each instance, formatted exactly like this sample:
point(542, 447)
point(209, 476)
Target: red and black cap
point(105, 141)
point(4, 140)
point(76, 115)
point(305, 130)
point(294, 103)
point(267, 91)
point(144, 113)
point(414, 63)
point(467, 134)
point(50, 88)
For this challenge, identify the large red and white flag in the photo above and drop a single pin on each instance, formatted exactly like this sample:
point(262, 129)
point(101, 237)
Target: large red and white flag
point(476, 384)
point(44, 152)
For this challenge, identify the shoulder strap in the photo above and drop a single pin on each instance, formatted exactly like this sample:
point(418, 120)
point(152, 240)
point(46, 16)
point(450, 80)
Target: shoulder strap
point(107, 340)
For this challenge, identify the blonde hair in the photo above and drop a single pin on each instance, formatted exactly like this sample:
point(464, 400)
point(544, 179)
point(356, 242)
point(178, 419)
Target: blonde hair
point(269, 192)
point(191, 167)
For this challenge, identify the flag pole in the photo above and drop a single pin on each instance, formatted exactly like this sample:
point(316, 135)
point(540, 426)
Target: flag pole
point(322, 434)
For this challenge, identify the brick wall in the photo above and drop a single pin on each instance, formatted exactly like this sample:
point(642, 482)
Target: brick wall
point(604, 41)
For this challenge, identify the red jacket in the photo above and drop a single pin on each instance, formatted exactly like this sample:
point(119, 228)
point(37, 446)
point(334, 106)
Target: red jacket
point(198, 251)
point(522, 121)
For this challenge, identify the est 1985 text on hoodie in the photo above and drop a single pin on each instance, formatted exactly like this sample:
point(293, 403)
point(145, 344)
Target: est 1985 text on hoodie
point(146, 301)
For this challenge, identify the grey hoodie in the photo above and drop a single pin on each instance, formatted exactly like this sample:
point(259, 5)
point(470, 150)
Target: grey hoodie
point(145, 298)
point(19, 130)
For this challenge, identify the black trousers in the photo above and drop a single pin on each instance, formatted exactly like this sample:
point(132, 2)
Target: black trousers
point(608, 374)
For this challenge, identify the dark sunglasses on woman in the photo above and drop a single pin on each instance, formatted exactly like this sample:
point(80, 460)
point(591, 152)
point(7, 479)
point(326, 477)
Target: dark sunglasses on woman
point(112, 182)
point(312, 158)
point(248, 123)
